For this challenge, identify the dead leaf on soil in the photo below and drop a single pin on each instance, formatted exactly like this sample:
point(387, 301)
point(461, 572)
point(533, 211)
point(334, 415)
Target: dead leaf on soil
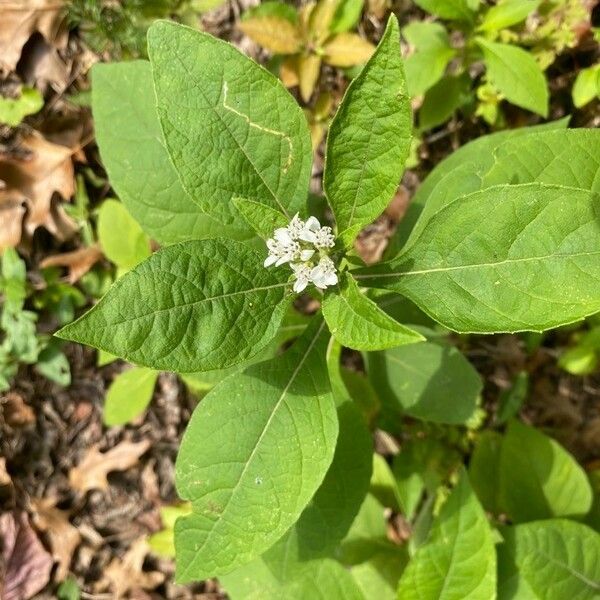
point(15, 412)
point(41, 171)
point(64, 537)
point(24, 563)
point(79, 262)
point(92, 470)
point(21, 19)
point(12, 211)
point(126, 574)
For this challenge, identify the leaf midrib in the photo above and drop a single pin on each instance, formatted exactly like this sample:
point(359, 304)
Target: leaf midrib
point(259, 440)
point(508, 261)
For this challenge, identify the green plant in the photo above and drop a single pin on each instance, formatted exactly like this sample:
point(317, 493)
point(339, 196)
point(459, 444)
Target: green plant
point(20, 342)
point(119, 27)
point(277, 461)
point(318, 33)
point(485, 37)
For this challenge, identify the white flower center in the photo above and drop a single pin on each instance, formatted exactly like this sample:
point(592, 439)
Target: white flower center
point(304, 245)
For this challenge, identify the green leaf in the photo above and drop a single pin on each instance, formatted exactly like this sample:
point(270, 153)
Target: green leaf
point(134, 155)
point(327, 519)
point(443, 99)
point(198, 305)
point(516, 74)
point(458, 562)
point(512, 399)
point(539, 479)
point(484, 470)
point(249, 484)
point(433, 52)
point(322, 579)
point(129, 395)
point(272, 9)
point(455, 10)
point(262, 218)
point(231, 128)
point(163, 542)
point(14, 110)
point(422, 465)
point(53, 365)
point(566, 158)
point(479, 153)
point(378, 577)
point(121, 238)
point(586, 86)
point(554, 560)
point(507, 13)
point(511, 274)
point(358, 323)
point(383, 484)
point(346, 16)
point(369, 139)
point(428, 381)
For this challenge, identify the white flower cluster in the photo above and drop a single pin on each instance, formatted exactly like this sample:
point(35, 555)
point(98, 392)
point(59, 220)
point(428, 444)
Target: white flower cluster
point(304, 245)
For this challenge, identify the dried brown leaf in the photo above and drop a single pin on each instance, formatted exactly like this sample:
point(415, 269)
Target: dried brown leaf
point(12, 211)
point(14, 410)
point(79, 262)
point(92, 470)
point(64, 537)
point(24, 563)
point(126, 574)
point(275, 34)
point(20, 19)
point(347, 50)
point(40, 171)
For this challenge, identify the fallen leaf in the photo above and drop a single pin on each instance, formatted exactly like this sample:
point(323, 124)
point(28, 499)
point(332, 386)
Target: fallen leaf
point(12, 211)
point(40, 170)
point(24, 563)
point(64, 537)
point(92, 470)
point(126, 574)
point(21, 19)
point(42, 66)
point(15, 412)
point(79, 262)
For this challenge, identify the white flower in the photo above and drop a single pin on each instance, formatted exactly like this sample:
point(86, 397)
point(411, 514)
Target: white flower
point(304, 246)
point(302, 275)
point(324, 274)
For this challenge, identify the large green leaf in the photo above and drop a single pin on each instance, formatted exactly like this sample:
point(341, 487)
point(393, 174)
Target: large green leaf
point(538, 478)
point(369, 139)
point(357, 322)
point(193, 306)
point(327, 519)
point(134, 155)
point(551, 560)
point(516, 74)
point(323, 579)
point(458, 562)
point(426, 65)
point(231, 128)
point(476, 157)
point(429, 381)
point(568, 158)
point(532, 265)
point(249, 484)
